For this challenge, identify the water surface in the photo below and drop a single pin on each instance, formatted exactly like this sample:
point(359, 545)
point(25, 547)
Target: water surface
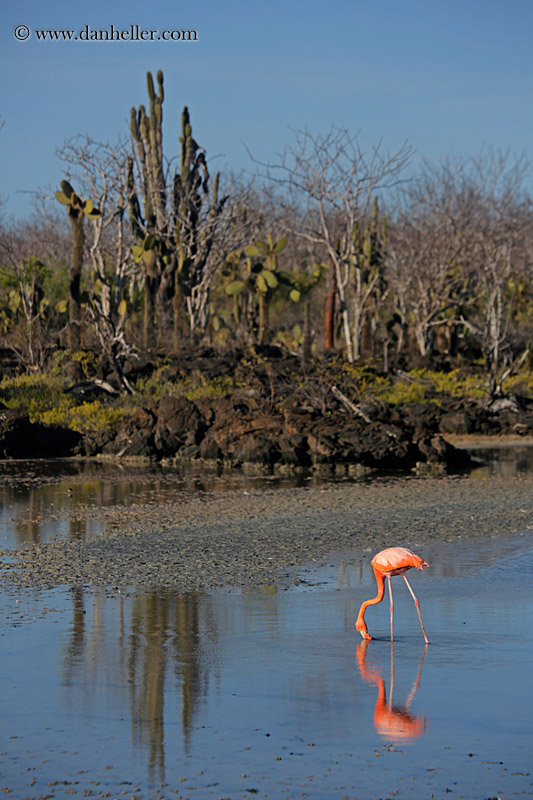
point(272, 693)
point(63, 499)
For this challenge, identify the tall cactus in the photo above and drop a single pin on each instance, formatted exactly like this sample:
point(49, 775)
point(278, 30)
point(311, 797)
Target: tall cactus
point(148, 222)
point(147, 133)
point(173, 226)
point(196, 217)
point(77, 210)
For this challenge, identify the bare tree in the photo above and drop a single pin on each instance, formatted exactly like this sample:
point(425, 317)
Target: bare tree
point(457, 243)
point(101, 169)
point(27, 301)
point(426, 276)
point(500, 226)
point(333, 182)
point(33, 258)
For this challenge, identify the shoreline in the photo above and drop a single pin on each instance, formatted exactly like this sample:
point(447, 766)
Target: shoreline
point(475, 441)
point(258, 537)
point(328, 471)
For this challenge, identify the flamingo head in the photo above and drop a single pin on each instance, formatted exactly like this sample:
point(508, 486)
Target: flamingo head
point(360, 625)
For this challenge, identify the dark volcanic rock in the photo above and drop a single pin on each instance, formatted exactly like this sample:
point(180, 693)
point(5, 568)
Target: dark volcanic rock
point(256, 448)
point(371, 444)
point(457, 422)
point(20, 438)
point(379, 445)
point(505, 415)
point(135, 436)
point(95, 442)
point(294, 450)
point(240, 432)
point(436, 450)
point(179, 424)
point(277, 419)
point(416, 416)
point(466, 417)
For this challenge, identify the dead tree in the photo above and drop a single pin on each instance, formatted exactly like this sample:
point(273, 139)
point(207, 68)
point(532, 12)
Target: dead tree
point(334, 182)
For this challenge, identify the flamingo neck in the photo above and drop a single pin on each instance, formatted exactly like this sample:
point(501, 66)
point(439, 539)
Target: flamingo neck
point(360, 624)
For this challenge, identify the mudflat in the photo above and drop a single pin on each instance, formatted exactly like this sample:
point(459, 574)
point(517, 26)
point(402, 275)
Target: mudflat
point(249, 538)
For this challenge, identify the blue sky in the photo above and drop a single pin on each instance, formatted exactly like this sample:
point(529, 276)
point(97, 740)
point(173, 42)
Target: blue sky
point(449, 77)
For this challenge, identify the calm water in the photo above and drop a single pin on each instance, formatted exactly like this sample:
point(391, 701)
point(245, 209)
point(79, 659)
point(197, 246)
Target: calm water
point(272, 693)
point(40, 499)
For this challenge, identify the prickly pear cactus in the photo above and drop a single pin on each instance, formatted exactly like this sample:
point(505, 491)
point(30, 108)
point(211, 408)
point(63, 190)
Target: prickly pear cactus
point(75, 205)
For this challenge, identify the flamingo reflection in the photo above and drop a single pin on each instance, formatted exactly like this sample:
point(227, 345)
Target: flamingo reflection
point(395, 723)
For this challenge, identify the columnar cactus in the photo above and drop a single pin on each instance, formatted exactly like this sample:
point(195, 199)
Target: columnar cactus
point(174, 226)
point(147, 133)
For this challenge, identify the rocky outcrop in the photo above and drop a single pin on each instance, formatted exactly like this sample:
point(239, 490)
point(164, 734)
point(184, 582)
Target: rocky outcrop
point(20, 438)
point(505, 415)
point(279, 419)
point(237, 431)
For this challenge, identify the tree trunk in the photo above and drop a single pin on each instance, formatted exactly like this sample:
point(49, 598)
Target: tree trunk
point(423, 341)
point(344, 314)
point(76, 264)
point(263, 318)
point(306, 344)
point(177, 305)
point(150, 288)
point(386, 356)
point(357, 332)
point(329, 312)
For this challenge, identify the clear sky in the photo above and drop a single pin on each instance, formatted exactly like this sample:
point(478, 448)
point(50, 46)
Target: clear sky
point(449, 76)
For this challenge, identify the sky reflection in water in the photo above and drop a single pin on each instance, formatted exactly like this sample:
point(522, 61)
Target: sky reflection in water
point(267, 692)
point(200, 690)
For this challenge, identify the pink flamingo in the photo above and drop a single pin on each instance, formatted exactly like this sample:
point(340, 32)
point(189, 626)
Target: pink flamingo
point(389, 562)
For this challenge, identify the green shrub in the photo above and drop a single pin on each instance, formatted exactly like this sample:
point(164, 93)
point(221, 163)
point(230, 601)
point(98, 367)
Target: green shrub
point(404, 392)
point(521, 383)
point(36, 393)
point(85, 418)
point(157, 386)
point(46, 401)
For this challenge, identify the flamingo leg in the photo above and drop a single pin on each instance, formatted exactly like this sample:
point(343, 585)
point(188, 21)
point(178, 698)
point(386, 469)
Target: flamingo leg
point(416, 684)
point(391, 674)
point(417, 604)
point(391, 608)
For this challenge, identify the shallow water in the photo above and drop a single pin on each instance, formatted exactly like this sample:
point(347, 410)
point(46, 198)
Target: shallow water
point(41, 500)
point(63, 499)
point(272, 693)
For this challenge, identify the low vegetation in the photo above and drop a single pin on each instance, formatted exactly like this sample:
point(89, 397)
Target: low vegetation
point(49, 398)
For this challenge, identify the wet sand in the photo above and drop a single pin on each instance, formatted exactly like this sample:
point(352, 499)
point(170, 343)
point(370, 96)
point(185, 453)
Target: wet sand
point(250, 538)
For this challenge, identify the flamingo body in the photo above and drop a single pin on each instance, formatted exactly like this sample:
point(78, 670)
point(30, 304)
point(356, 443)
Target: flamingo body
point(386, 564)
point(396, 561)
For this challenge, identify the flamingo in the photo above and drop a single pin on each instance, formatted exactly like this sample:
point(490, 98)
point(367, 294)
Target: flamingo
point(386, 563)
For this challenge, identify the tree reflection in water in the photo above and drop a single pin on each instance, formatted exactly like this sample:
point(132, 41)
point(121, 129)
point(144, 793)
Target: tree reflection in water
point(158, 638)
